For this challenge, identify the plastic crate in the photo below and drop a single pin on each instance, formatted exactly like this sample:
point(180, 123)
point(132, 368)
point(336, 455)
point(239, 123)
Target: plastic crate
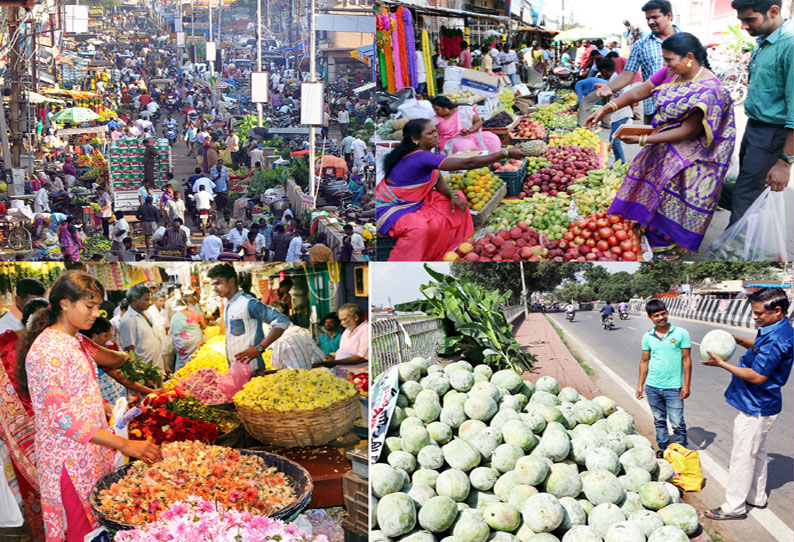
point(383, 246)
point(356, 502)
point(513, 179)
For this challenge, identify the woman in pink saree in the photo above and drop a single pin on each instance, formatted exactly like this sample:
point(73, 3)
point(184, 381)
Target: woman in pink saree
point(673, 185)
point(415, 205)
point(459, 129)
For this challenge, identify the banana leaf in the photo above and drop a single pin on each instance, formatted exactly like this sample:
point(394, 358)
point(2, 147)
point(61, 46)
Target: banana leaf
point(473, 322)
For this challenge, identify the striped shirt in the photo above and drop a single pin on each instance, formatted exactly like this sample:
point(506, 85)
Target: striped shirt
point(647, 54)
point(244, 316)
point(295, 349)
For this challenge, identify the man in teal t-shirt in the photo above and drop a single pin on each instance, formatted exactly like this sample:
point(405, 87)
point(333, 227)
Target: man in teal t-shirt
point(665, 374)
point(347, 148)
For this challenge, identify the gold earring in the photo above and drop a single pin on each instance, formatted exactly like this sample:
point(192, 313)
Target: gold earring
point(689, 64)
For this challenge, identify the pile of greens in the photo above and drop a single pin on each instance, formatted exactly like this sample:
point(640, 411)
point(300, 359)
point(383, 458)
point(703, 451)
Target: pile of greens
point(142, 372)
point(474, 325)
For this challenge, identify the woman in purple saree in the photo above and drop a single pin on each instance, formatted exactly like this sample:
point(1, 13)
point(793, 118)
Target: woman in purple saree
point(673, 185)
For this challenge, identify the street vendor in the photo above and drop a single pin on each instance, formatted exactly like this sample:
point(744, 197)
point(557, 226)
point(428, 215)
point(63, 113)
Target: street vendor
point(329, 341)
point(280, 294)
point(459, 129)
point(416, 206)
point(295, 349)
point(136, 328)
point(353, 352)
point(243, 317)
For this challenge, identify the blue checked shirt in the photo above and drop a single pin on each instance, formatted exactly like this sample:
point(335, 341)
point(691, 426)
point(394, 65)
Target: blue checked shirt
point(220, 178)
point(647, 54)
point(295, 349)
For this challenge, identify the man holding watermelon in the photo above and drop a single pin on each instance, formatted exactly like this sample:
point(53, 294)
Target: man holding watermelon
point(755, 391)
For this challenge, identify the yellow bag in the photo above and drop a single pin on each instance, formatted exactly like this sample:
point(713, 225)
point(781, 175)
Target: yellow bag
point(686, 467)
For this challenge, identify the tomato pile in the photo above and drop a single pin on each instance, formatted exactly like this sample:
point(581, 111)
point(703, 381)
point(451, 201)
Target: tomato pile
point(510, 165)
point(601, 237)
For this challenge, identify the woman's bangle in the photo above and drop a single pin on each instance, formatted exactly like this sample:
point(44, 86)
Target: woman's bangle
point(643, 140)
point(613, 105)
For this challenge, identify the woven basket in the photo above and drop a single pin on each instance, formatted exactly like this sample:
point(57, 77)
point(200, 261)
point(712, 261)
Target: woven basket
point(301, 482)
point(300, 428)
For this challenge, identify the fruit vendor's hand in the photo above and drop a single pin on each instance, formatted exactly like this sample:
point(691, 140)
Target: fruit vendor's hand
point(457, 201)
point(247, 354)
point(145, 450)
point(603, 90)
point(515, 153)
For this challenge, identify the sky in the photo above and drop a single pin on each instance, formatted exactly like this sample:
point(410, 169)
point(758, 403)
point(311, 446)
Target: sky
point(596, 15)
point(400, 281)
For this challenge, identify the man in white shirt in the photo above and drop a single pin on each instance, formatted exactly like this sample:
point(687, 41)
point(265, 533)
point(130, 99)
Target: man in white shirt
point(136, 329)
point(256, 157)
point(42, 202)
point(359, 150)
point(343, 118)
point(238, 235)
point(211, 246)
point(176, 207)
point(27, 289)
point(295, 249)
point(208, 185)
point(121, 229)
point(202, 198)
point(355, 238)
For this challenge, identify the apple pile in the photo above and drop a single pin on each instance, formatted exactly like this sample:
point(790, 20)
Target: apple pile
point(510, 165)
point(528, 128)
point(601, 237)
point(519, 243)
point(568, 164)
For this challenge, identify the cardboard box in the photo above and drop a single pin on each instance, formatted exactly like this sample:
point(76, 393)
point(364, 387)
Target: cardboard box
point(482, 83)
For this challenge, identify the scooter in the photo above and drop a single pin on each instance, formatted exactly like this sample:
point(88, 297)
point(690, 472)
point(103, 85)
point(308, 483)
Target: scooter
point(624, 315)
point(170, 134)
point(170, 103)
point(608, 323)
point(569, 315)
point(205, 220)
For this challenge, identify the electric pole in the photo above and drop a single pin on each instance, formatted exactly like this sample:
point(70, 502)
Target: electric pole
point(259, 56)
point(13, 72)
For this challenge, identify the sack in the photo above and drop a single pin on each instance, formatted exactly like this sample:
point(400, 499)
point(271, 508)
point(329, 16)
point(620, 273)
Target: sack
point(158, 234)
point(759, 236)
point(236, 377)
point(686, 467)
point(417, 109)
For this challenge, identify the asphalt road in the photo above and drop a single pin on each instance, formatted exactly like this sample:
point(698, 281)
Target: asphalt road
point(708, 417)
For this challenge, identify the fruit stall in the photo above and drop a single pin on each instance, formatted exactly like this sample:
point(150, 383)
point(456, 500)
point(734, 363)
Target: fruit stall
point(501, 457)
point(550, 206)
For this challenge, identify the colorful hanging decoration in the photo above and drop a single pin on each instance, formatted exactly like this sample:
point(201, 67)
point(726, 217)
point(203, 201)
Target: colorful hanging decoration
point(385, 51)
point(395, 40)
point(410, 47)
point(429, 69)
point(403, 37)
point(450, 39)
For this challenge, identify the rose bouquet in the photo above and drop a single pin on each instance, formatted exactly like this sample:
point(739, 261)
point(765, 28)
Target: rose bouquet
point(196, 519)
point(223, 476)
point(203, 385)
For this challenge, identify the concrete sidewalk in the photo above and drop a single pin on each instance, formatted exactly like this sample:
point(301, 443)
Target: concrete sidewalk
point(553, 358)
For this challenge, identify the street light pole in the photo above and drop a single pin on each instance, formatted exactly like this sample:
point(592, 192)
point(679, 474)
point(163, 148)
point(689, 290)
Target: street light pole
point(313, 77)
point(259, 55)
point(212, 62)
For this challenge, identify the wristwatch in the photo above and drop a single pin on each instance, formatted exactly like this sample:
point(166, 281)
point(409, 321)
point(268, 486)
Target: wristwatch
point(788, 159)
point(259, 348)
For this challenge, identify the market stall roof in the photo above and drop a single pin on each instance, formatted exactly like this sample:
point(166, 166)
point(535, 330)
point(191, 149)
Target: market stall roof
point(77, 131)
point(36, 98)
point(533, 28)
point(446, 11)
point(576, 34)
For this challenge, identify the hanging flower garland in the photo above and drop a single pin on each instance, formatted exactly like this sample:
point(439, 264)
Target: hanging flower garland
point(395, 43)
point(384, 42)
point(410, 47)
point(401, 35)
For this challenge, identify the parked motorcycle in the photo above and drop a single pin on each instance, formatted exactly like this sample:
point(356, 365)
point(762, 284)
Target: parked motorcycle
point(388, 104)
point(562, 77)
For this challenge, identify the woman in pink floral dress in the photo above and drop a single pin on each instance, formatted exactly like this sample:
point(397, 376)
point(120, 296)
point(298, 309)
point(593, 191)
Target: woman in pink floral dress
point(74, 445)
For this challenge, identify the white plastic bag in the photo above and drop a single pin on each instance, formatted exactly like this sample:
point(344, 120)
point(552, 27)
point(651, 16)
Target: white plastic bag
point(10, 514)
point(417, 109)
point(759, 236)
point(159, 233)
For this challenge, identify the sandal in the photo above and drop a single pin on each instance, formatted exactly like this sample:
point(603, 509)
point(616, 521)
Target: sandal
point(670, 255)
point(718, 514)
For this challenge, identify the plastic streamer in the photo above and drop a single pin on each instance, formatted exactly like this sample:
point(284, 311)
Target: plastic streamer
point(403, 46)
point(410, 47)
point(395, 43)
point(429, 70)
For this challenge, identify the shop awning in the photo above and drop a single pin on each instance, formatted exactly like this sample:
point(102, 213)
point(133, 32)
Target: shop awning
point(77, 131)
point(364, 54)
point(445, 12)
